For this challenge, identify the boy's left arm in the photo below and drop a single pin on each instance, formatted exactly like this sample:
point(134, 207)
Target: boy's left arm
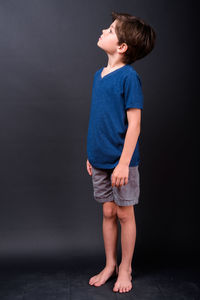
point(121, 170)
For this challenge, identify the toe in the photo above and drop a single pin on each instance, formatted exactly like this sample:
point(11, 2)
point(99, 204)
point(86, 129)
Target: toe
point(115, 289)
point(129, 287)
point(97, 283)
point(91, 282)
point(92, 279)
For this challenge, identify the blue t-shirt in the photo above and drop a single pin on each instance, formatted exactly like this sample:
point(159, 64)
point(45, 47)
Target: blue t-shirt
point(111, 96)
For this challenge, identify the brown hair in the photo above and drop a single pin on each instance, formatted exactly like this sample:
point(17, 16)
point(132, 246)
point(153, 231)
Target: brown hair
point(139, 36)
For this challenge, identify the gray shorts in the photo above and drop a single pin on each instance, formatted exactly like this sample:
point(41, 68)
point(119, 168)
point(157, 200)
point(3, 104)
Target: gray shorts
point(124, 195)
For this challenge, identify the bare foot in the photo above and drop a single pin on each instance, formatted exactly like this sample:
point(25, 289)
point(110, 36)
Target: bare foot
point(123, 283)
point(103, 276)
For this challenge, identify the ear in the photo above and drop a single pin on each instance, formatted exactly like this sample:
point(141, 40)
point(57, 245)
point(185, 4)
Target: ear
point(122, 48)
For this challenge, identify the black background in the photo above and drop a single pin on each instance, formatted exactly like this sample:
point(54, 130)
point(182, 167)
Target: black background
point(48, 56)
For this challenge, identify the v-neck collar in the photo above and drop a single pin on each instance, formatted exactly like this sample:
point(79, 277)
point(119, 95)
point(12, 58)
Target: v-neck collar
point(110, 73)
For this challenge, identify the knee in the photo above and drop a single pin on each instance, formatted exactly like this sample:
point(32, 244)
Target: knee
point(109, 212)
point(122, 217)
point(125, 214)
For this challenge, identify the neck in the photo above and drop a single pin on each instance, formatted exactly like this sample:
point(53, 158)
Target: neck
point(115, 66)
point(114, 62)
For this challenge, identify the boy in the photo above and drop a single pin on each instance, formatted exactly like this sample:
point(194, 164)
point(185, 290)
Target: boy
point(113, 140)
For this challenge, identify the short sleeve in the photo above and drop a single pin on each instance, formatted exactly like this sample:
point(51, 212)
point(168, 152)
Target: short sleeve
point(133, 94)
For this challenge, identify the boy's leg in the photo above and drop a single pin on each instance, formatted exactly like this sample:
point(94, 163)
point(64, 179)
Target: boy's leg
point(128, 236)
point(110, 234)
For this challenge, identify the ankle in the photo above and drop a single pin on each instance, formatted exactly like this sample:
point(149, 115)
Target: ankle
point(111, 265)
point(127, 268)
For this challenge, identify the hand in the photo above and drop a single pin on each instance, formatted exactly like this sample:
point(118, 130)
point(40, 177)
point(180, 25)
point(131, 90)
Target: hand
point(120, 175)
point(89, 167)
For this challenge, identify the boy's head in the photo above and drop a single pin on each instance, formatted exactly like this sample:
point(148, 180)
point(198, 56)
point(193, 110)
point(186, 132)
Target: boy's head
point(128, 35)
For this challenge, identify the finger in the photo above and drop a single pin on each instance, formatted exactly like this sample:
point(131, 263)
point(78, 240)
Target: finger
point(122, 181)
point(89, 169)
point(113, 181)
point(117, 181)
point(126, 181)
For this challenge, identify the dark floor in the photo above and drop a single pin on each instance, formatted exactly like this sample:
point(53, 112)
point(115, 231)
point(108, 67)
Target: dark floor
point(150, 281)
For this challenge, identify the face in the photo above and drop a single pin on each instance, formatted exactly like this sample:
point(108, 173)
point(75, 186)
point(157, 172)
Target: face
point(108, 41)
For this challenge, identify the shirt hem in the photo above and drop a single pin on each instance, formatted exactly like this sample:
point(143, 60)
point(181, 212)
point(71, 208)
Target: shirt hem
point(110, 166)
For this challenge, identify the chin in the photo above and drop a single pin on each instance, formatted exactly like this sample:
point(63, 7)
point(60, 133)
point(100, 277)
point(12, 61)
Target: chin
point(99, 45)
